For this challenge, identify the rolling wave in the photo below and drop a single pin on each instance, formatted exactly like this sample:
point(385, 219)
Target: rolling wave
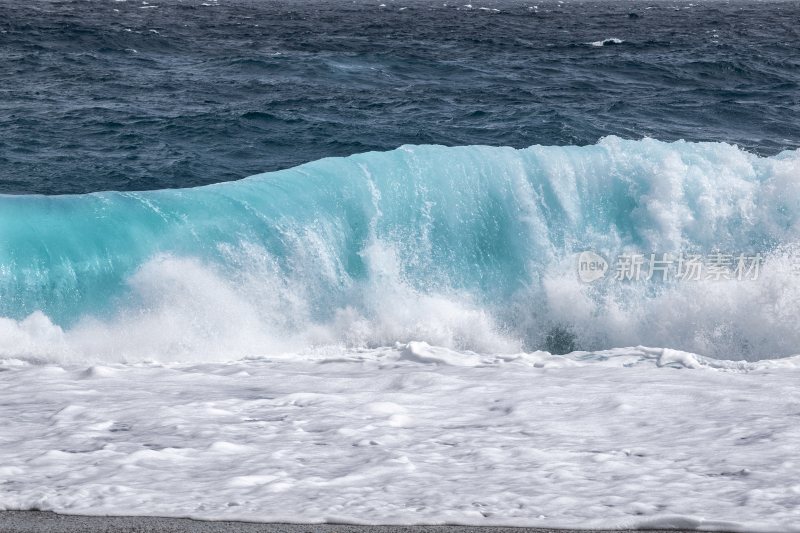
point(471, 248)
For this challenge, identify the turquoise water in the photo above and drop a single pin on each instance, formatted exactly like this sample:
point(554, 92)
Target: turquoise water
point(467, 246)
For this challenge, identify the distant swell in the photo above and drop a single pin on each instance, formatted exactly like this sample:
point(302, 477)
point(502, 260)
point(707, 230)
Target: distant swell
point(468, 247)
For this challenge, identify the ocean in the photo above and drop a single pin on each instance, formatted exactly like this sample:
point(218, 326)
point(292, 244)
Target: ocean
point(106, 95)
point(525, 263)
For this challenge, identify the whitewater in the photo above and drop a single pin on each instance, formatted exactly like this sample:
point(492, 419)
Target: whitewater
point(405, 337)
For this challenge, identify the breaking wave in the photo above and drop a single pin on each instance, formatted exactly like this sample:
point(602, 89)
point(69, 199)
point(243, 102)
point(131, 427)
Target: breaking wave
point(471, 248)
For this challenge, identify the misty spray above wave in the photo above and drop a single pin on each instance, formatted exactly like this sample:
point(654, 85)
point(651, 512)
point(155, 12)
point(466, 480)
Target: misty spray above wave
point(466, 247)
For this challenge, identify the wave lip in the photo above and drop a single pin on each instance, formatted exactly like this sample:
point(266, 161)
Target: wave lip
point(469, 248)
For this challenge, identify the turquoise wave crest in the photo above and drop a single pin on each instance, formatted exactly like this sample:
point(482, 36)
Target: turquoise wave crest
point(469, 247)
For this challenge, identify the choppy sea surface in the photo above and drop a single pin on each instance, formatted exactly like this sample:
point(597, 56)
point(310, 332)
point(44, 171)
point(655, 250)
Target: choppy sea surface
point(133, 95)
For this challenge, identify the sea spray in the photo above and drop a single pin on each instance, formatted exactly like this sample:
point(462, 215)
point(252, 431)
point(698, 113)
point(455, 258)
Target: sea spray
point(468, 247)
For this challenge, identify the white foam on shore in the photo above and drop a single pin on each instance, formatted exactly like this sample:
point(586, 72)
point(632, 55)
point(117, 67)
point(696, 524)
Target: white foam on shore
point(412, 434)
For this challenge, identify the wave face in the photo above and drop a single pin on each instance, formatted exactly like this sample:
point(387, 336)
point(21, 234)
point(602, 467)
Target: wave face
point(471, 248)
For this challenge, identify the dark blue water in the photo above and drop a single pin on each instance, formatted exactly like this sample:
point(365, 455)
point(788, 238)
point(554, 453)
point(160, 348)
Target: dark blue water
point(126, 95)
